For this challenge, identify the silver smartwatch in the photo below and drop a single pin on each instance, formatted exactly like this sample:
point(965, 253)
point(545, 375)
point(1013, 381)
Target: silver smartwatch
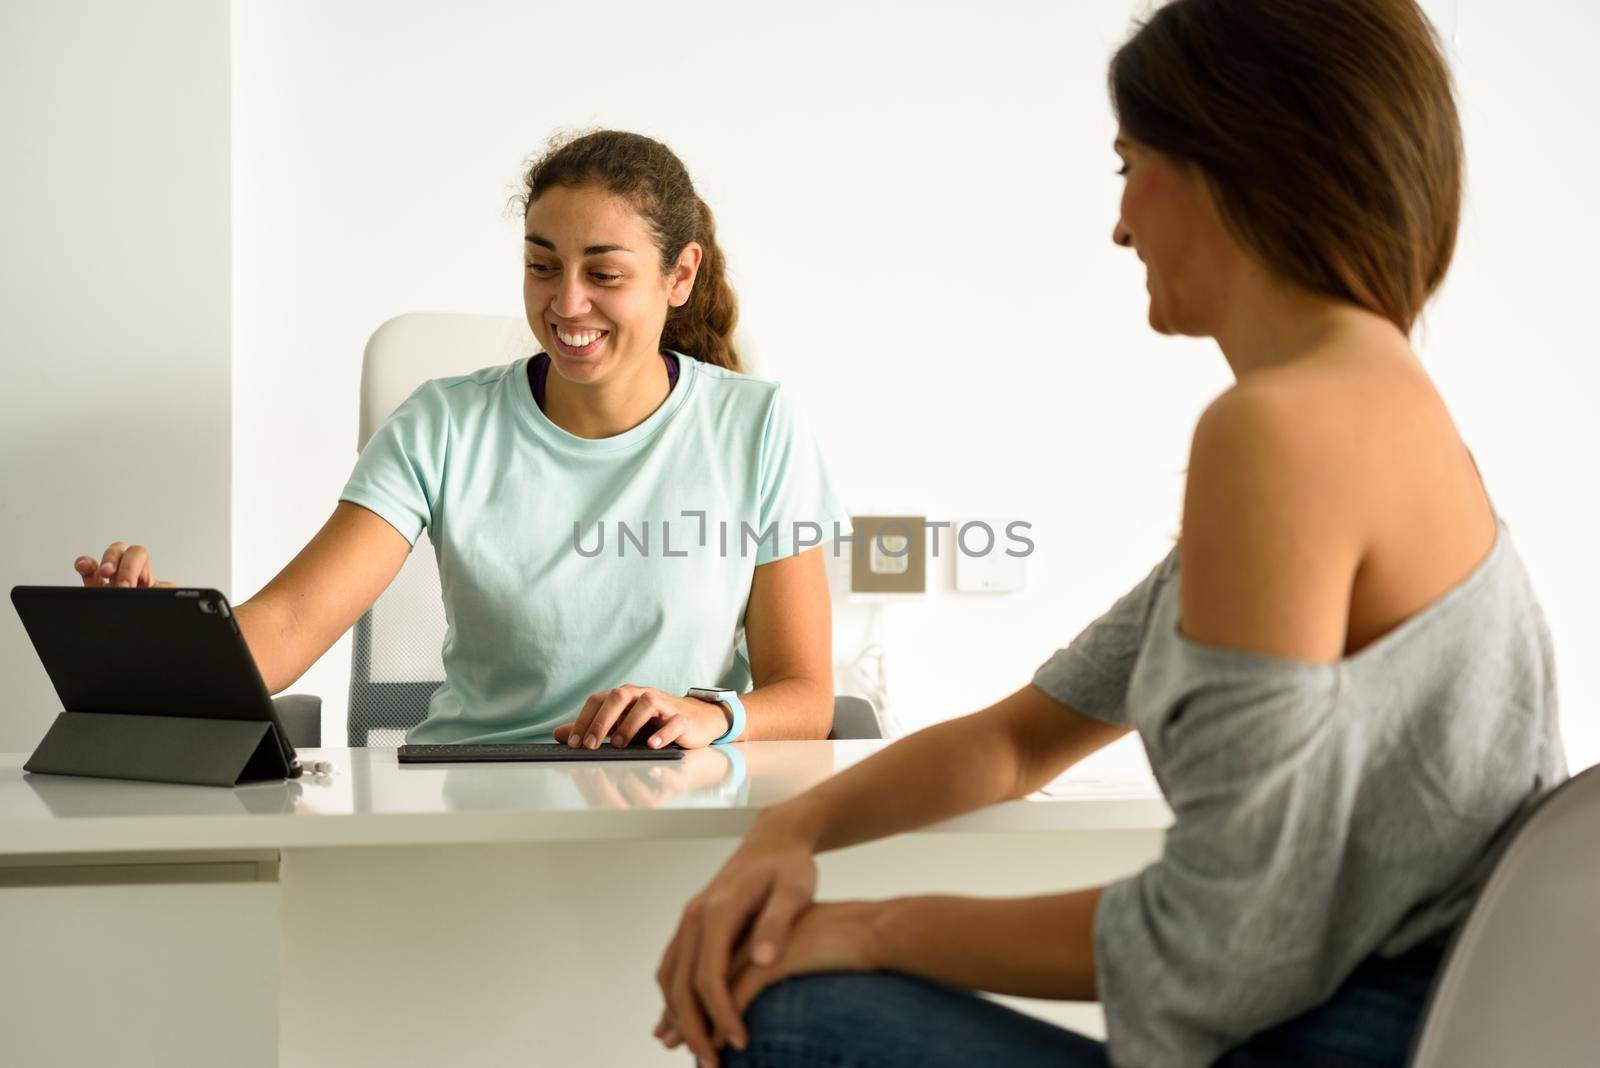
point(729, 700)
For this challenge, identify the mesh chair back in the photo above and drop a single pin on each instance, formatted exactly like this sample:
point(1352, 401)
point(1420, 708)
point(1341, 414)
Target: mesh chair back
point(398, 643)
point(1521, 982)
point(398, 654)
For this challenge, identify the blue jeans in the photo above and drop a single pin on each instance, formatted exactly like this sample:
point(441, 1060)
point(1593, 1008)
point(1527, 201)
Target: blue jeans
point(888, 1020)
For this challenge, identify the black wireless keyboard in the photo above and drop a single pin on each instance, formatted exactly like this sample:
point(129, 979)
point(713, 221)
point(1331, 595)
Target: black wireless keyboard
point(474, 754)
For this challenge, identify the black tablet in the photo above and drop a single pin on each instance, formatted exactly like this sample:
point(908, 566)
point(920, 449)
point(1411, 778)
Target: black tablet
point(167, 652)
point(516, 752)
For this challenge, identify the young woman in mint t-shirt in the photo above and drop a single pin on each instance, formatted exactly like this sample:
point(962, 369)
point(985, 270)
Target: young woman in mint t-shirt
point(635, 413)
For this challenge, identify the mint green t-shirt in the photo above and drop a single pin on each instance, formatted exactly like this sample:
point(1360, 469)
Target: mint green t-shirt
point(569, 565)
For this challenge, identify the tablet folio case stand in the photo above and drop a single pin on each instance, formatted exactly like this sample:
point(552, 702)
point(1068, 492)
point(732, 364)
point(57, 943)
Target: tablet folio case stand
point(204, 752)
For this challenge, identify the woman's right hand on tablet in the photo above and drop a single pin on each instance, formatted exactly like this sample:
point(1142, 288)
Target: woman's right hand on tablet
point(758, 895)
point(121, 565)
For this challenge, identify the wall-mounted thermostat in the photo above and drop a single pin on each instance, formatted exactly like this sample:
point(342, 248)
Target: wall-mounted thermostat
point(991, 555)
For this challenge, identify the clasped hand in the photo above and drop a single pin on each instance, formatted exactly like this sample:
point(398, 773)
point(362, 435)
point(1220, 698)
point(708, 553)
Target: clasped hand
point(710, 974)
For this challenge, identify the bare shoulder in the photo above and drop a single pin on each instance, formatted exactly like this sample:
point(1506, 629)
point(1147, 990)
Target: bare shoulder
point(1272, 523)
point(1327, 501)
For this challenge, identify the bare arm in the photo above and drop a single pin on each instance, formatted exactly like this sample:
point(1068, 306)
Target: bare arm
point(1272, 529)
point(789, 631)
point(1039, 947)
point(1034, 947)
point(1007, 750)
point(321, 593)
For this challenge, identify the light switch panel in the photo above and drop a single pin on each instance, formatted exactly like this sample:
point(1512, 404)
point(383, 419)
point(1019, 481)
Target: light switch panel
point(889, 554)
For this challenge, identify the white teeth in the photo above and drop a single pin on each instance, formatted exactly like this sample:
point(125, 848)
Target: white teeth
point(579, 341)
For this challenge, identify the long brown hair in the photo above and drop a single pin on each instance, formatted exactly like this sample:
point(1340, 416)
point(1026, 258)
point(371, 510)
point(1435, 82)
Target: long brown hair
point(1326, 130)
point(650, 177)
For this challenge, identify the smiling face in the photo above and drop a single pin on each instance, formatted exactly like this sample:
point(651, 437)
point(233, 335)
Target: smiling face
point(1169, 218)
point(593, 287)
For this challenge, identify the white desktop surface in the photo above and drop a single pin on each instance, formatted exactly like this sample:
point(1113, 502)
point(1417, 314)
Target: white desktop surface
point(371, 799)
point(364, 916)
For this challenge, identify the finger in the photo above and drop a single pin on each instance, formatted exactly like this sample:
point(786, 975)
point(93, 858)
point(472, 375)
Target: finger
point(585, 714)
point(112, 557)
point(667, 1031)
point(644, 711)
point(750, 984)
point(128, 568)
point(166, 585)
point(88, 570)
point(711, 973)
point(740, 962)
point(131, 564)
point(686, 1011)
point(666, 969)
point(771, 930)
point(606, 716)
point(668, 733)
point(562, 732)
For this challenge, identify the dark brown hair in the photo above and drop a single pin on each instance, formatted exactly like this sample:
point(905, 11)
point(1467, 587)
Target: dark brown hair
point(649, 176)
point(1326, 130)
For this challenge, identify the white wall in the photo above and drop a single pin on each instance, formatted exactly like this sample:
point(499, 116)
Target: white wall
point(1511, 339)
point(114, 298)
point(891, 183)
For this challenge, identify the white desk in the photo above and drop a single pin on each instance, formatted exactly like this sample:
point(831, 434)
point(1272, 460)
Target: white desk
point(471, 914)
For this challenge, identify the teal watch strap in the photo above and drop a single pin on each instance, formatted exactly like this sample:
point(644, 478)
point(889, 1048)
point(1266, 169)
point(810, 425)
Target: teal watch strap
point(730, 698)
point(735, 706)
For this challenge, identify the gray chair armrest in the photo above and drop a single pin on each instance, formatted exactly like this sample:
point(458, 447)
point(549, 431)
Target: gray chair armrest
point(854, 717)
point(301, 716)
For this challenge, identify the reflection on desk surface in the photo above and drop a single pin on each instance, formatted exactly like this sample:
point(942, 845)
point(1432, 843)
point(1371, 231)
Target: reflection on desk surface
point(731, 776)
point(370, 784)
point(371, 781)
point(76, 797)
point(703, 778)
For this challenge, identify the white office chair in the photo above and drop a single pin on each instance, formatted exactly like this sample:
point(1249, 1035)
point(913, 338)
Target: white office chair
point(1520, 983)
point(397, 661)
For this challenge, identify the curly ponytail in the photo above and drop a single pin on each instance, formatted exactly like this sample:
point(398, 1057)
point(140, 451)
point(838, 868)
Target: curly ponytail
point(649, 176)
point(703, 327)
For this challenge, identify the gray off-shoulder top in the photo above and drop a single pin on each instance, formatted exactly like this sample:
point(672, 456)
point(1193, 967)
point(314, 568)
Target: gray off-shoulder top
point(1323, 812)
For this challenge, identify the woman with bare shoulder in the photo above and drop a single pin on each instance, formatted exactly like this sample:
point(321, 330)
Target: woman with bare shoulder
point(1341, 674)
